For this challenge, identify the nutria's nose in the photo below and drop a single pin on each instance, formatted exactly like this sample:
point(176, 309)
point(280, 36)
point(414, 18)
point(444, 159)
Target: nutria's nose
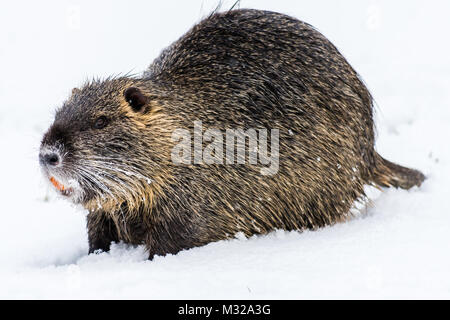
point(52, 158)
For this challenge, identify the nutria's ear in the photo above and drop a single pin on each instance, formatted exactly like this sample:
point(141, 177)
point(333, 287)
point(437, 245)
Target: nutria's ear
point(135, 98)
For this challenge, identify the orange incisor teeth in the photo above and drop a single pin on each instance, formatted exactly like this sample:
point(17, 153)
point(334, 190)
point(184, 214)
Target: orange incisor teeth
point(57, 185)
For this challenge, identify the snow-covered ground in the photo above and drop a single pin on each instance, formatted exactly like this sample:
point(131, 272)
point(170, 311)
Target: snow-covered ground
point(398, 249)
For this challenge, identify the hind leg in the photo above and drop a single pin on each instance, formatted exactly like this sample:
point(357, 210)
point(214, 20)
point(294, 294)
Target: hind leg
point(390, 174)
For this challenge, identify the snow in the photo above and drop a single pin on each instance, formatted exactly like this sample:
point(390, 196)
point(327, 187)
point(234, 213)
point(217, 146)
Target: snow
point(396, 248)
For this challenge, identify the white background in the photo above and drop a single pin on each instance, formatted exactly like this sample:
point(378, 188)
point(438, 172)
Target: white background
point(397, 248)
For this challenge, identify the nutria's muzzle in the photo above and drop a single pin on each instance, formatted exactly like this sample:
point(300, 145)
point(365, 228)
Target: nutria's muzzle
point(49, 159)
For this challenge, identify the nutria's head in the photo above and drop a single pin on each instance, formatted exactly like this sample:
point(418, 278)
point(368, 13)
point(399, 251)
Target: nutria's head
point(107, 145)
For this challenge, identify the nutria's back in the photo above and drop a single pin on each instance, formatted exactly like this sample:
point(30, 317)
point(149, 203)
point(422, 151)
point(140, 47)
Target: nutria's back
point(243, 69)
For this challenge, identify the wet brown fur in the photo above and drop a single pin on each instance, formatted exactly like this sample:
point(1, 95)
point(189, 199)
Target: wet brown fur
point(238, 69)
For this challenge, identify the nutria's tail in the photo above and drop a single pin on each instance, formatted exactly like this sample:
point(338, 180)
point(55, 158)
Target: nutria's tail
point(388, 174)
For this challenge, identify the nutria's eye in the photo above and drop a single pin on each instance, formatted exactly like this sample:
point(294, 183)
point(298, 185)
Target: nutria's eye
point(101, 122)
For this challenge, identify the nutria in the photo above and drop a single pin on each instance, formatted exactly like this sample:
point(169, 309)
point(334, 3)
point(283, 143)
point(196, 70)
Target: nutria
point(110, 147)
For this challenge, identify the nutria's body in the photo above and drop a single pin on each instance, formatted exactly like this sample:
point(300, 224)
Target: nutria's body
point(240, 69)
